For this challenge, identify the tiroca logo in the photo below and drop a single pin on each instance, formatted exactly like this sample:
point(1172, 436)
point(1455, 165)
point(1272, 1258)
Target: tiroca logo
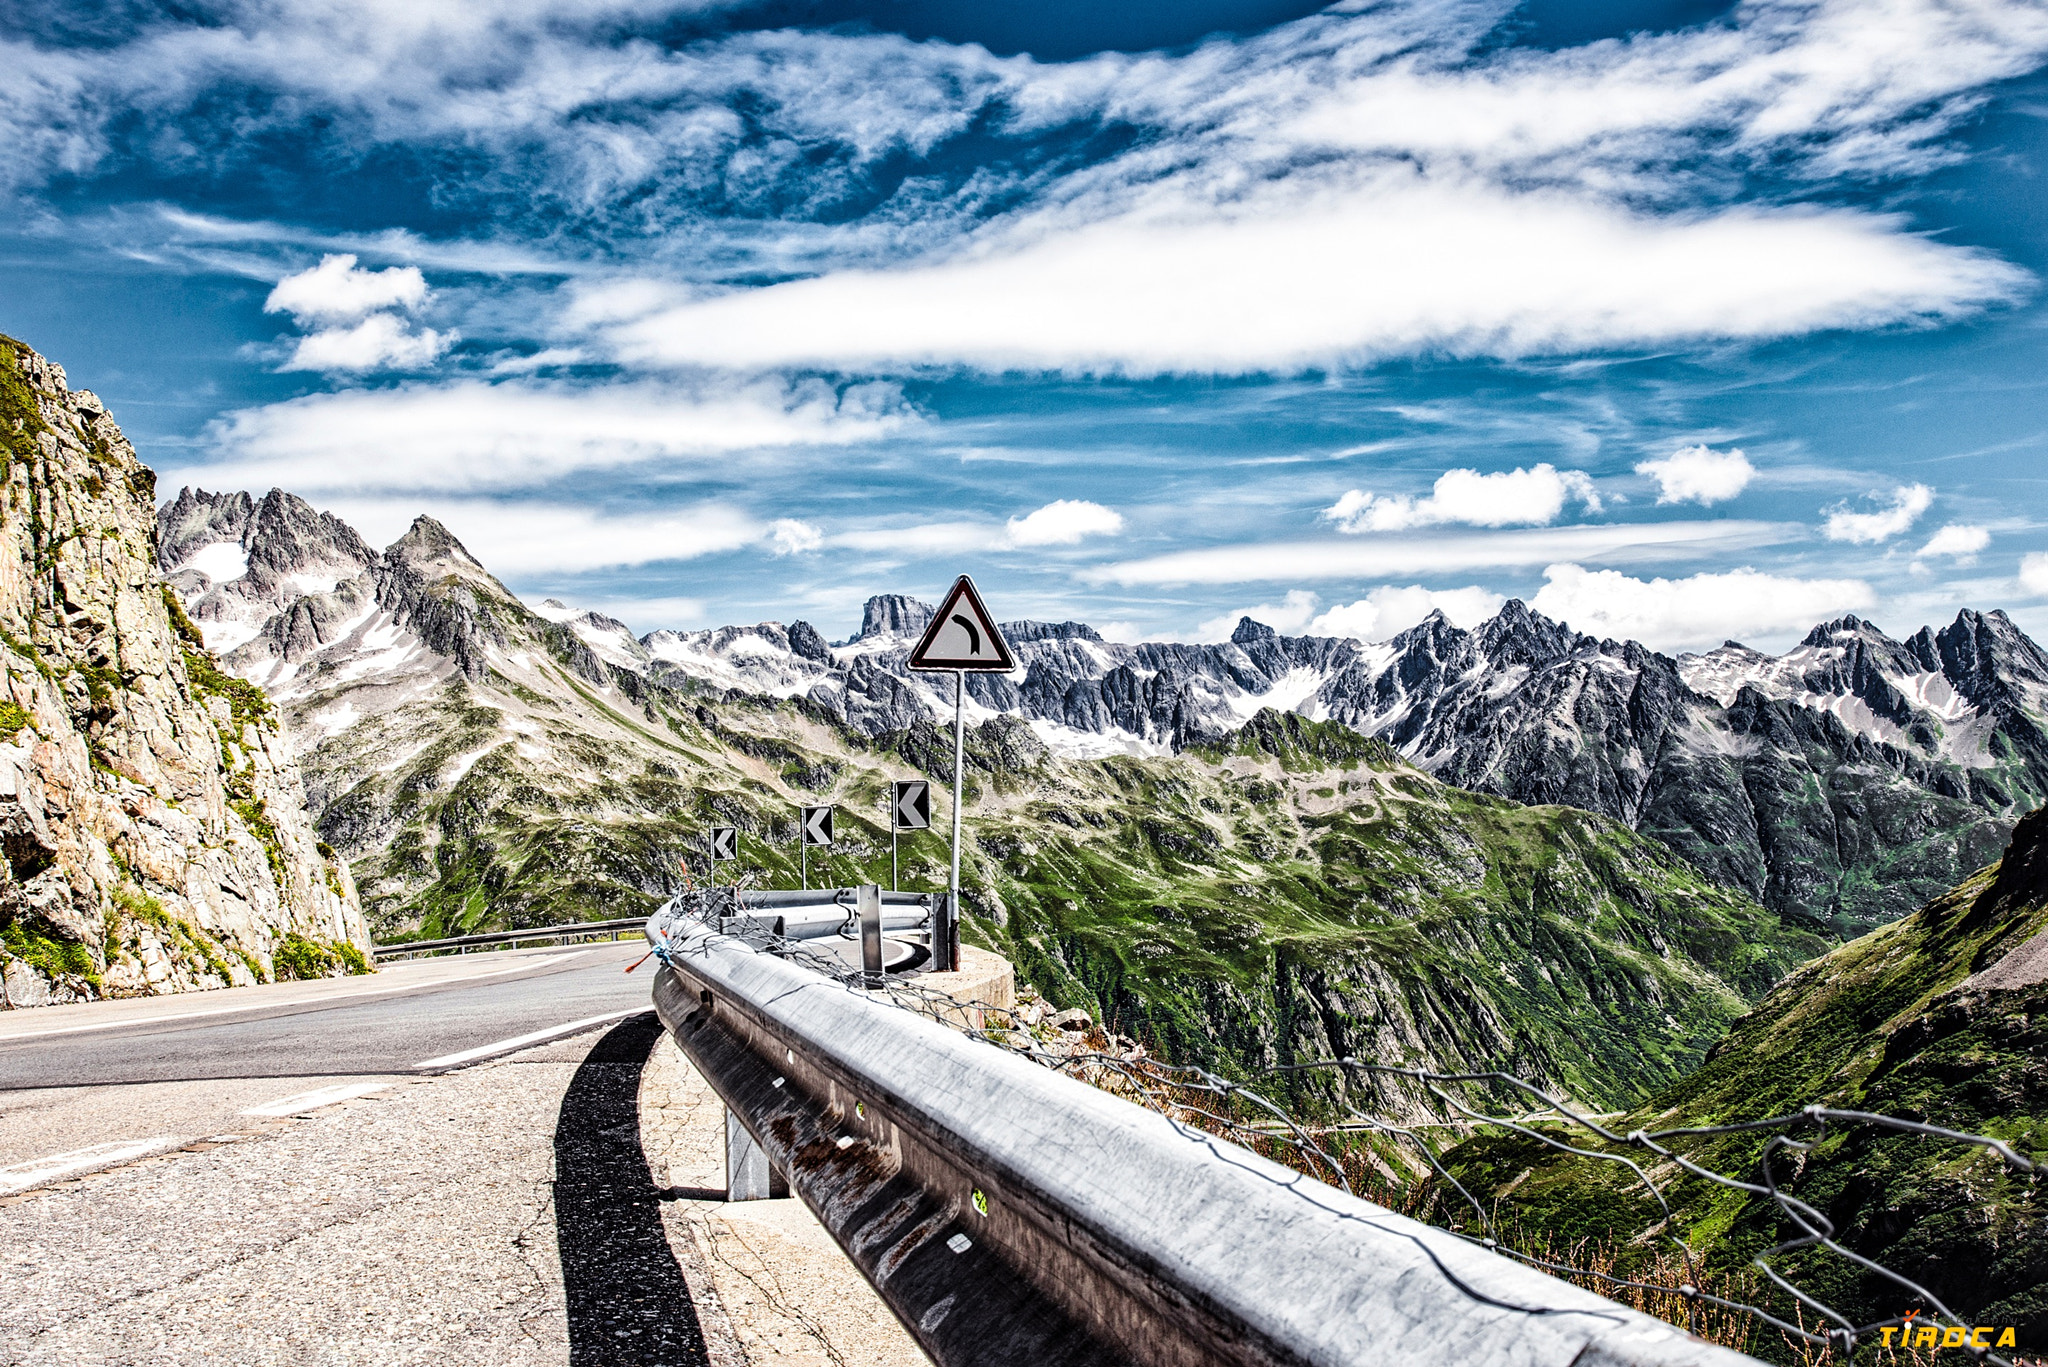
point(1911, 1335)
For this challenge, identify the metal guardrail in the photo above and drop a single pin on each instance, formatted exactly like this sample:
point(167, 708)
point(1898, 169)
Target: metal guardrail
point(1008, 1214)
point(901, 911)
point(564, 934)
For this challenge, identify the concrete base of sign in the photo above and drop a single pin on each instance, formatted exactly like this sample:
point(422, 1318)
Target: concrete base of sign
point(983, 980)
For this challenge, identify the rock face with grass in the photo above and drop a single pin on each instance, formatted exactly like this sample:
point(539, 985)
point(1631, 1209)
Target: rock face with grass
point(152, 815)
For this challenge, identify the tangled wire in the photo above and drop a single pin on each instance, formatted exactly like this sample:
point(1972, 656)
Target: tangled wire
point(1198, 1099)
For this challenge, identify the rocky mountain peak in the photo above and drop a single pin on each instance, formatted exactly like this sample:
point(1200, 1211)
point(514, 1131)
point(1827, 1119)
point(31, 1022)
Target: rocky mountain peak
point(427, 543)
point(1848, 625)
point(1251, 633)
point(287, 535)
point(807, 641)
point(1519, 635)
point(893, 614)
point(196, 519)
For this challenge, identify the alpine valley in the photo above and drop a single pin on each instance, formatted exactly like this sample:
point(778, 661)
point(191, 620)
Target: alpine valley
point(1516, 846)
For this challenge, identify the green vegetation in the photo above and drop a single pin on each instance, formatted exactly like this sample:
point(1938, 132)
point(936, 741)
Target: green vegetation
point(13, 717)
point(180, 622)
point(1294, 893)
point(255, 814)
point(247, 703)
point(21, 418)
point(301, 958)
point(1888, 1024)
point(52, 955)
point(186, 943)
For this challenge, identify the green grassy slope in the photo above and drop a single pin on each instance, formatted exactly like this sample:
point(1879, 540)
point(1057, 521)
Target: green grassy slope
point(1896, 1023)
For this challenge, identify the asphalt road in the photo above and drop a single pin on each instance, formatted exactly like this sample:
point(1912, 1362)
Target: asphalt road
point(376, 1031)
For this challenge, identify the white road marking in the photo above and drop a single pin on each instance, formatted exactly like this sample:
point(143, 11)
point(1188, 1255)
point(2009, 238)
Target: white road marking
point(315, 1099)
point(39, 1172)
point(172, 1018)
point(506, 1046)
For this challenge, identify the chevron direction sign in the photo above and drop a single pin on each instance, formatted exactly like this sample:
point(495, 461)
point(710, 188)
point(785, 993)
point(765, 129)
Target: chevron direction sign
point(817, 825)
point(725, 842)
point(913, 805)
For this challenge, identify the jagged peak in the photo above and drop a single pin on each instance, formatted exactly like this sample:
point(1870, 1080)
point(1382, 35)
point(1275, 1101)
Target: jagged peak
point(1251, 633)
point(1520, 634)
point(893, 614)
point(1848, 624)
point(427, 541)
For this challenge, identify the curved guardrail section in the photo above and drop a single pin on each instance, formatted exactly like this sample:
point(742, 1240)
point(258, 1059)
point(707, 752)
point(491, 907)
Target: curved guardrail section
point(1008, 1214)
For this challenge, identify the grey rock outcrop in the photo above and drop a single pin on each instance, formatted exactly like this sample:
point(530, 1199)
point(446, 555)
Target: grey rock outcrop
point(151, 810)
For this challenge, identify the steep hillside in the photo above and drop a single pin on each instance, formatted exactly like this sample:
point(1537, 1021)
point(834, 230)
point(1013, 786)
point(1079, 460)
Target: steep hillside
point(1941, 1018)
point(154, 825)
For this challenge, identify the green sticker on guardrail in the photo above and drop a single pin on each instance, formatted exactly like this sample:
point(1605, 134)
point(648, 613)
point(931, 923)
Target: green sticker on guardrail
point(980, 1202)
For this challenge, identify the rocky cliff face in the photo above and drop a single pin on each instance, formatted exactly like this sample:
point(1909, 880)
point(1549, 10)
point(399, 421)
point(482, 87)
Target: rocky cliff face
point(154, 826)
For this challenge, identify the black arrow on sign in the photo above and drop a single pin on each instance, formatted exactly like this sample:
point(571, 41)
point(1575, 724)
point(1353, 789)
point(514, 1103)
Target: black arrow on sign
point(973, 635)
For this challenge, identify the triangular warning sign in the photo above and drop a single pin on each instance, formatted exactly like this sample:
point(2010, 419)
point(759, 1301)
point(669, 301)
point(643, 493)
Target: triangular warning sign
point(963, 635)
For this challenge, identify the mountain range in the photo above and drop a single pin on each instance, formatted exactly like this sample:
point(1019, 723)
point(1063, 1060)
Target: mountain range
point(1277, 889)
point(1842, 782)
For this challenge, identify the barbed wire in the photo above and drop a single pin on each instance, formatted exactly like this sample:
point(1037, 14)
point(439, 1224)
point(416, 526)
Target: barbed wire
point(1203, 1101)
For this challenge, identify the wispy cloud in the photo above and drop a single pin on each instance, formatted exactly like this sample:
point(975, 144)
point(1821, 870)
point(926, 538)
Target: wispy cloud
point(1063, 522)
point(1389, 557)
point(473, 436)
point(1386, 611)
point(1350, 186)
point(1958, 541)
point(518, 537)
point(1898, 512)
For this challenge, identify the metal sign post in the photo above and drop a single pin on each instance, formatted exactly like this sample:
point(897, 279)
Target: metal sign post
point(912, 812)
point(962, 637)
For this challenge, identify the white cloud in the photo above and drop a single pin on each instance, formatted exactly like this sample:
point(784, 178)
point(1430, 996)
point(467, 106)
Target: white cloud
point(1959, 541)
point(473, 436)
point(1510, 498)
point(523, 537)
point(793, 535)
point(382, 341)
point(1064, 522)
point(338, 291)
point(1443, 553)
point(1351, 276)
point(1907, 502)
point(1698, 611)
point(1389, 610)
point(2034, 573)
point(351, 312)
point(1698, 474)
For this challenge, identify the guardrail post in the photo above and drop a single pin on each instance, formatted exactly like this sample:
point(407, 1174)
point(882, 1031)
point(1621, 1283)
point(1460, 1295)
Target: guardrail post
point(945, 933)
point(869, 901)
point(749, 1176)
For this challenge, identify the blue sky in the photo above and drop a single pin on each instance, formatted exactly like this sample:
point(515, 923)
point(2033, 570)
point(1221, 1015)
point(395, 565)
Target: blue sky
point(1681, 320)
